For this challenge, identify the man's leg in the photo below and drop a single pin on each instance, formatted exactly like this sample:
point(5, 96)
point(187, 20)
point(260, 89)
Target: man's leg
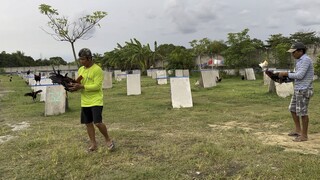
point(103, 129)
point(305, 123)
point(92, 136)
point(296, 121)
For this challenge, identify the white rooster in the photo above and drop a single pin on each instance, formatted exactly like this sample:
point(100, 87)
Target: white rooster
point(264, 64)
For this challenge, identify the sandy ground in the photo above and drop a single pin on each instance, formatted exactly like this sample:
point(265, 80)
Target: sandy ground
point(15, 127)
point(312, 146)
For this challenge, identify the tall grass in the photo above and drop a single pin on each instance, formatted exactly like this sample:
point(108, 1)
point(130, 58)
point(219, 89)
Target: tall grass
point(155, 141)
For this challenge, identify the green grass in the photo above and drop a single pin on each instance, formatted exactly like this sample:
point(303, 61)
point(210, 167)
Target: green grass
point(155, 141)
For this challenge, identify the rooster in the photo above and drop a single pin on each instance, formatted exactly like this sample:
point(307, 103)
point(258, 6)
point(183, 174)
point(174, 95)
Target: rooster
point(57, 78)
point(264, 64)
point(33, 94)
point(218, 79)
point(37, 78)
point(275, 77)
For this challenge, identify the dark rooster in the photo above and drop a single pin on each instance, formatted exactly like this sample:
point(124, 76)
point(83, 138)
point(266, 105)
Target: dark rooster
point(57, 78)
point(275, 77)
point(28, 72)
point(37, 78)
point(218, 79)
point(33, 94)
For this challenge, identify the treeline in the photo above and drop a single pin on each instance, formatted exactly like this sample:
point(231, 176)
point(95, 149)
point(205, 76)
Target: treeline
point(239, 51)
point(18, 59)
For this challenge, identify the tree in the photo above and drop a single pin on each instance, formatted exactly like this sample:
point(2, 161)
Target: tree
point(180, 58)
point(241, 49)
point(164, 50)
point(216, 48)
point(200, 48)
point(97, 58)
point(57, 61)
point(309, 38)
point(70, 32)
point(283, 57)
point(317, 66)
point(15, 59)
point(278, 45)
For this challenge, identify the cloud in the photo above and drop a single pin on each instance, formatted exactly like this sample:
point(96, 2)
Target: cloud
point(273, 22)
point(188, 16)
point(150, 14)
point(244, 12)
point(306, 18)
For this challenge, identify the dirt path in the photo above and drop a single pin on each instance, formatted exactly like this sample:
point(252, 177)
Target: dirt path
point(312, 146)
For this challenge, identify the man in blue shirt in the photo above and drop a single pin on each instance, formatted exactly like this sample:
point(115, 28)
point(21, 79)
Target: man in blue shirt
point(303, 90)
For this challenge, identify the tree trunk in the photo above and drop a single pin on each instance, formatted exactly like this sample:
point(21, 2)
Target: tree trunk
point(74, 54)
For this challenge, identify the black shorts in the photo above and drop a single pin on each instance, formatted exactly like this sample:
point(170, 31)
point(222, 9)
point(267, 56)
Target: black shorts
point(91, 114)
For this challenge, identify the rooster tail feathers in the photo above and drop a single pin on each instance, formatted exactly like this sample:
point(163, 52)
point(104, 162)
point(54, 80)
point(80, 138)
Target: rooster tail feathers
point(54, 71)
point(39, 91)
point(28, 94)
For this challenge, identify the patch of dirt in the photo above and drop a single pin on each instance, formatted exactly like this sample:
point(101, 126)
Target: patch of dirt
point(312, 146)
point(5, 138)
point(15, 127)
point(19, 126)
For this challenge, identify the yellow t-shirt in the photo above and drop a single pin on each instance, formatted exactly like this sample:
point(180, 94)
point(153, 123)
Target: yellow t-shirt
point(92, 78)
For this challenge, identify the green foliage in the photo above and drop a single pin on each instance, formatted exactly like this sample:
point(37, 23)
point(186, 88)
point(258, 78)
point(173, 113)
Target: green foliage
point(241, 50)
point(308, 37)
point(18, 59)
point(282, 56)
point(180, 58)
point(317, 67)
point(133, 55)
point(15, 59)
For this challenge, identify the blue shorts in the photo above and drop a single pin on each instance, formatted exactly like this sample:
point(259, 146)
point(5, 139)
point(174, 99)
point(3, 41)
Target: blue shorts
point(300, 101)
point(91, 114)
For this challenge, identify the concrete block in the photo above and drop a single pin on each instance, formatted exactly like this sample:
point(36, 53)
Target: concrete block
point(154, 73)
point(207, 79)
point(180, 92)
point(179, 72)
point(133, 84)
point(249, 73)
point(107, 80)
point(55, 102)
point(161, 77)
point(186, 72)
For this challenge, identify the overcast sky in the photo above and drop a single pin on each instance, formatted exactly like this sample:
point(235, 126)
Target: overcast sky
point(165, 21)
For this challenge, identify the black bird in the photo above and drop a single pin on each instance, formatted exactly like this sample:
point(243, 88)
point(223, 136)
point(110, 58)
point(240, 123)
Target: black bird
point(37, 78)
point(28, 72)
point(218, 79)
point(33, 94)
point(10, 79)
point(275, 77)
point(57, 78)
point(242, 77)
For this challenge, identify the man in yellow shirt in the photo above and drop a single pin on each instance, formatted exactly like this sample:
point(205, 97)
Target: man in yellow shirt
point(91, 98)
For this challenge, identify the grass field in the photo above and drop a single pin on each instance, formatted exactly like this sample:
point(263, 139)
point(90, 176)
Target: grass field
point(236, 130)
